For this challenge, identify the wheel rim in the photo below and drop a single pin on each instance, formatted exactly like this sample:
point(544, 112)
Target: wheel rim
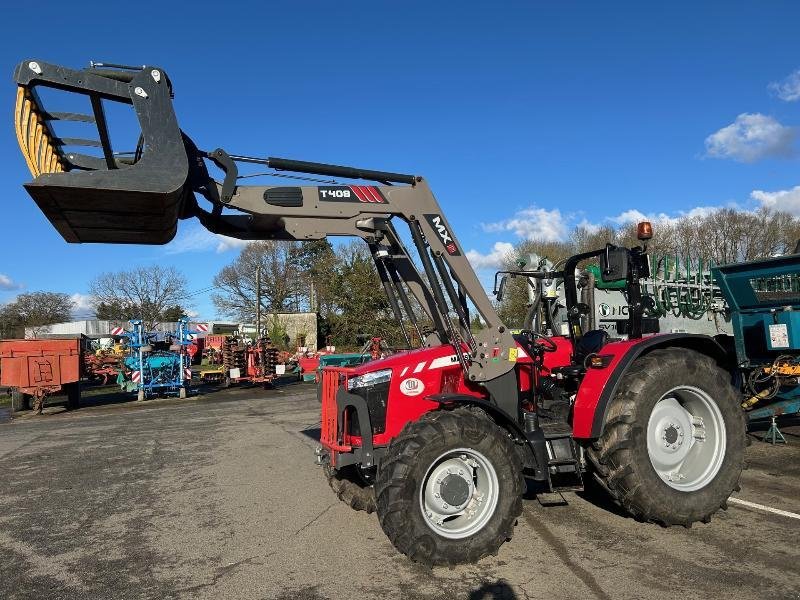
point(686, 438)
point(459, 493)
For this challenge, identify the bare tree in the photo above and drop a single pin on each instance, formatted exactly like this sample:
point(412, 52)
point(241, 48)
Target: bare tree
point(37, 310)
point(279, 276)
point(146, 293)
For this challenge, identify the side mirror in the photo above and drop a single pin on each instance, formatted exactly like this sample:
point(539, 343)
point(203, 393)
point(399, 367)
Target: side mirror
point(501, 288)
point(614, 263)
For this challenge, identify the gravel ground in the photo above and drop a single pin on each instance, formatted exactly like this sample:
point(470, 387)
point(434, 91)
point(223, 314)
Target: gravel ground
point(218, 497)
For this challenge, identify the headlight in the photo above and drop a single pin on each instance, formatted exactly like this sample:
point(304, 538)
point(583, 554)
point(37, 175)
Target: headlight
point(368, 379)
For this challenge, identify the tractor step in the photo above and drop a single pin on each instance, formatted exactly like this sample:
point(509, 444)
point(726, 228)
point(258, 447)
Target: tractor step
point(551, 499)
point(554, 446)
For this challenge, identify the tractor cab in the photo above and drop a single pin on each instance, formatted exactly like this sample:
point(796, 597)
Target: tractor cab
point(622, 266)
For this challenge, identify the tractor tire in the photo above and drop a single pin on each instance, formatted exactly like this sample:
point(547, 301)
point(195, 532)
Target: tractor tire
point(351, 489)
point(19, 401)
point(73, 391)
point(449, 488)
point(672, 449)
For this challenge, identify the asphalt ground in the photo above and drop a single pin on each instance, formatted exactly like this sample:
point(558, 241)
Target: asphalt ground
point(218, 497)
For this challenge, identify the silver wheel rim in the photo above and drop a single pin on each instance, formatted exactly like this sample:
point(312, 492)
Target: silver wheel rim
point(459, 493)
point(686, 438)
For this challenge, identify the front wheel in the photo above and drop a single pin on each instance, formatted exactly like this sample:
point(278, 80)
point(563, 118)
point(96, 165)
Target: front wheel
point(449, 489)
point(351, 487)
point(673, 445)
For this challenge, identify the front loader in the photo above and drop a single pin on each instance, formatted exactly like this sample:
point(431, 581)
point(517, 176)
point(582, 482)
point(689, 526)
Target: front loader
point(441, 440)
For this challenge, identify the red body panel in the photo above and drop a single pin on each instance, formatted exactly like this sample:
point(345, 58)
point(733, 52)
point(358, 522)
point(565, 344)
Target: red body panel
point(561, 357)
point(415, 375)
point(418, 374)
point(592, 386)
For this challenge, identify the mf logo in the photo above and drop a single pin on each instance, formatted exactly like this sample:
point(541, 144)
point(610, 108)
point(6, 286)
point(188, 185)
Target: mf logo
point(412, 386)
point(438, 225)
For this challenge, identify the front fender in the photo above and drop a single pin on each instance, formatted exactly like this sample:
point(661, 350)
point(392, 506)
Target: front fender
point(599, 385)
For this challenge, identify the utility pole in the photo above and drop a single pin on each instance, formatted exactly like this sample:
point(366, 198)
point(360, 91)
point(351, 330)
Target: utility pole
point(258, 301)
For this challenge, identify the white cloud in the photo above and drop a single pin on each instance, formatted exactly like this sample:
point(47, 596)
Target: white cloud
point(7, 284)
point(783, 200)
point(197, 238)
point(83, 308)
point(533, 223)
point(787, 89)
point(752, 137)
point(590, 227)
point(634, 215)
point(494, 259)
point(225, 243)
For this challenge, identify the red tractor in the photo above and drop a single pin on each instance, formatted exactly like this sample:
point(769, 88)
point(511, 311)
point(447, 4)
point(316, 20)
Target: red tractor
point(655, 421)
point(440, 440)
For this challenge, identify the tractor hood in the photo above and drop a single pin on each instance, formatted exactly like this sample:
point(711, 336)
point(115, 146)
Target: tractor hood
point(421, 359)
point(411, 360)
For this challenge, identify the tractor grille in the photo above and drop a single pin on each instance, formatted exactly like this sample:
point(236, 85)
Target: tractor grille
point(377, 397)
point(332, 379)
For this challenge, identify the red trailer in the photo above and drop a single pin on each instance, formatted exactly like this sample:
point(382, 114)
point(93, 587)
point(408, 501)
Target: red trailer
point(37, 368)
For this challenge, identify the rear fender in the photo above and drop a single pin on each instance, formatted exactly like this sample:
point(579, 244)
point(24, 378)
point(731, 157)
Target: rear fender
point(599, 385)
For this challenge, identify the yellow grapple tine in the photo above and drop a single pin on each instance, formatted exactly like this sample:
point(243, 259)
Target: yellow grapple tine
point(31, 139)
point(22, 119)
point(37, 145)
point(48, 155)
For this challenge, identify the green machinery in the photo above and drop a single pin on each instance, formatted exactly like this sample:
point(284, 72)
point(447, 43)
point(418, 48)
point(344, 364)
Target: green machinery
point(763, 298)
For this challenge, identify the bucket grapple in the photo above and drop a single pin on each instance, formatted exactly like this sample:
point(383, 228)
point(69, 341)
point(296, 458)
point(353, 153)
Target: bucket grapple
point(109, 197)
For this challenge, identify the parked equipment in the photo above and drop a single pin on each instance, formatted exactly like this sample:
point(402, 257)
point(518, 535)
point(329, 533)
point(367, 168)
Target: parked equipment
point(102, 365)
point(244, 360)
point(158, 367)
point(764, 301)
point(35, 369)
point(439, 440)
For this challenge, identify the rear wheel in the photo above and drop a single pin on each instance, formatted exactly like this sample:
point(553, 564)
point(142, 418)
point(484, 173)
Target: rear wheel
point(449, 489)
point(673, 445)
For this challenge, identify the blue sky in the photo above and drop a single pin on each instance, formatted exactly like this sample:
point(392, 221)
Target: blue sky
point(527, 117)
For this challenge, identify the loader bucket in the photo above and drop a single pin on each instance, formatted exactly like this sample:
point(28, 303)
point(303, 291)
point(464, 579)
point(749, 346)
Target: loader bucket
point(108, 196)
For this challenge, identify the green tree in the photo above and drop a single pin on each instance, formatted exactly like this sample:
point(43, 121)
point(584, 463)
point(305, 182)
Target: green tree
point(359, 306)
point(236, 282)
point(37, 310)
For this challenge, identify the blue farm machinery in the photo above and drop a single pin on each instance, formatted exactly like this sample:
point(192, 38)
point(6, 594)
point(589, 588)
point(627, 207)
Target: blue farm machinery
point(158, 363)
point(763, 298)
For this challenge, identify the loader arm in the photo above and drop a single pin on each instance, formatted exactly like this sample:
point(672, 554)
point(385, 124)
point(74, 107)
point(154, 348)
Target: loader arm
point(138, 197)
